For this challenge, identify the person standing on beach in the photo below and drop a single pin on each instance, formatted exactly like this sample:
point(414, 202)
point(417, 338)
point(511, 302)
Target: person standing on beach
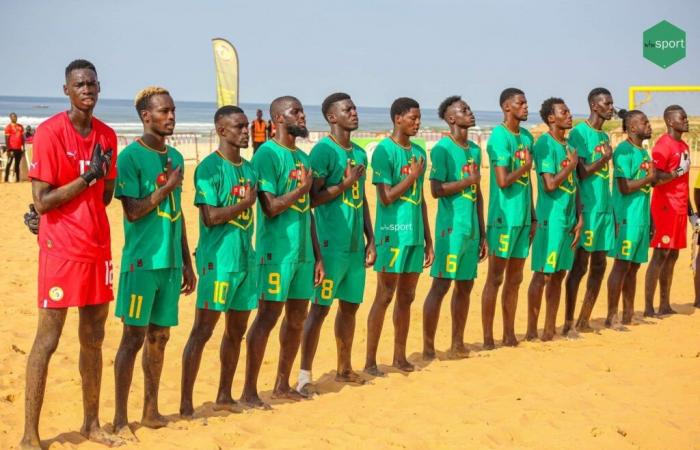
point(72, 175)
point(287, 250)
point(260, 130)
point(342, 217)
point(670, 206)
point(225, 193)
point(634, 176)
point(460, 237)
point(402, 231)
point(592, 145)
point(14, 142)
point(559, 214)
point(511, 218)
point(156, 264)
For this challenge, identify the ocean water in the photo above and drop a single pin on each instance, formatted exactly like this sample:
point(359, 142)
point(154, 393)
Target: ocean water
point(197, 117)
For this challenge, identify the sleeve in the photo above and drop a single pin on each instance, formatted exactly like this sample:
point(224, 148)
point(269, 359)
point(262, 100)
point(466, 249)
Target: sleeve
point(206, 186)
point(263, 163)
point(44, 166)
point(621, 162)
point(381, 166)
point(438, 171)
point(660, 156)
point(112, 143)
point(497, 148)
point(320, 161)
point(127, 177)
point(544, 156)
point(577, 142)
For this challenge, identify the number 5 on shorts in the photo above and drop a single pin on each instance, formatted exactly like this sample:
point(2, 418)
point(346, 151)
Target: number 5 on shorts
point(503, 239)
point(273, 279)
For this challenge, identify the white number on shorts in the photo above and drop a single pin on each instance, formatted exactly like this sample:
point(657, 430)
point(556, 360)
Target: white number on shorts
point(109, 273)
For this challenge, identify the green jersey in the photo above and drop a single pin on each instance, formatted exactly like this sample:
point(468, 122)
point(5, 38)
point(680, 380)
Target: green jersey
point(220, 183)
point(155, 240)
point(340, 222)
point(450, 162)
point(285, 238)
point(595, 189)
point(559, 206)
point(633, 163)
point(510, 206)
point(400, 223)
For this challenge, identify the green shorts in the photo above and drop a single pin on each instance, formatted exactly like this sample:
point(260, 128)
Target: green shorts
point(551, 249)
point(404, 259)
point(631, 244)
point(149, 297)
point(278, 282)
point(345, 278)
point(223, 291)
point(456, 257)
point(508, 242)
point(598, 232)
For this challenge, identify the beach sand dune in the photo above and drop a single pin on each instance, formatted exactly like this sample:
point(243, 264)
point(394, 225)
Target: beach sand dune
point(635, 389)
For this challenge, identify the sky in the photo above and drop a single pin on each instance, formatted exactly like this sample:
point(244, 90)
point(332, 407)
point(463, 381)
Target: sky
point(376, 50)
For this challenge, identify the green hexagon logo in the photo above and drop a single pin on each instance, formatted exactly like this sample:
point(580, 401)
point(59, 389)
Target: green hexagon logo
point(664, 44)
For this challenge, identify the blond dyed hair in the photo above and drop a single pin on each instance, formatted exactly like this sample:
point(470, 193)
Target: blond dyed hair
point(144, 96)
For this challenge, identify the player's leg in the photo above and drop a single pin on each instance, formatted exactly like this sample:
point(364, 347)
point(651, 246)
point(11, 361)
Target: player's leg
point(203, 327)
point(431, 314)
point(290, 338)
point(131, 342)
point(696, 276)
point(553, 297)
point(152, 359)
point(615, 281)
point(629, 289)
point(658, 261)
point(48, 333)
point(598, 265)
point(509, 299)
point(309, 344)
point(405, 294)
point(534, 303)
point(229, 352)
point(344, 336)
point(8, 164)
point(494, 280)
point(386, 286)
point(573, 281)
point(665, 282)
point(459, 308)
point(18, 159)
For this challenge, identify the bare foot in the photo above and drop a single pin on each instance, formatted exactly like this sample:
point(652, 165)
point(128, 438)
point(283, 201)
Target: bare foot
point(154, 420)
point(97, 434)
point(458, 352)
point(374, 371)
point(510, 341)
point(530, 336)
point(584, 327)
point(186, 411)
point(126, 434)
point(254, 401)
point(568, 326)
point(30, 443)
point(573, 334)
point(349, 376)
point(428, 355)
point(488, 344)
point(228, 404)
point(288, 394)
point(404, 366)
point(547, 336)
point(666, 309)
point(697, 303)
point(649, 312)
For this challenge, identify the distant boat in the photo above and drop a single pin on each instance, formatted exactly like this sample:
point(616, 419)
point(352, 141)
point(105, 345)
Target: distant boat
point(40, 106)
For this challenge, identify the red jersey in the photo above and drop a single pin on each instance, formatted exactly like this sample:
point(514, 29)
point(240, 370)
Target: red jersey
point(671, 196)
point(77, 230)
point(15, 136)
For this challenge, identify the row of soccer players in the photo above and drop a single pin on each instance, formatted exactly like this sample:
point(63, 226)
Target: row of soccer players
point(300, 256)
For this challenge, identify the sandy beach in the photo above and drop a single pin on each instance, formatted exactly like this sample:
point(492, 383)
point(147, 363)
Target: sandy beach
point(610, 389)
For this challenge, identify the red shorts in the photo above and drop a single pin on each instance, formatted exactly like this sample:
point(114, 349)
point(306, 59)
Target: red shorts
point(670, 231)
point(64, 283)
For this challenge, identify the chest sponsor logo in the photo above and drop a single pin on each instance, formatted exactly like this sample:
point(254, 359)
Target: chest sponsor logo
point(302, 205)
point(467, 170)
point(518, 162)
point(245, 219)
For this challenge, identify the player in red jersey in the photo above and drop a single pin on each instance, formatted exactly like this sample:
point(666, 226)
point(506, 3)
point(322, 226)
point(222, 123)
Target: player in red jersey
point(669, 206)
point(72, 175)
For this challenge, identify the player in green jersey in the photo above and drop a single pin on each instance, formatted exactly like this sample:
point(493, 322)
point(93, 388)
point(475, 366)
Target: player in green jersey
point(342, 216)
point(511, 218)
point(402, 232)
point(156, 265)
point(559, 216)
point(594, 153)
point(634, 176)
point(287, 251)
point(225, 193)
point(460, 238)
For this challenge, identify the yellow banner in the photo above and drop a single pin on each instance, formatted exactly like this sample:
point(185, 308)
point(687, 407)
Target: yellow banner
point(226, 64)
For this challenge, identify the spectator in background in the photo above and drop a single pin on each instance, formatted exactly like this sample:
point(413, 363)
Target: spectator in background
point(14, 141)
point(260, 130)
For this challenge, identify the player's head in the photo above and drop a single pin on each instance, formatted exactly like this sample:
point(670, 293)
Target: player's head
point(156, 109)
point(81, 87)
point(405, 113)
point(676, 118)
point(456, 111)
point(339, 109)
point(554, 112)
point(636, 123)
point(288, 114)
point(13, 117)
point(232, 126)
point(514, 103)
point(600, 101)
point(258, 114)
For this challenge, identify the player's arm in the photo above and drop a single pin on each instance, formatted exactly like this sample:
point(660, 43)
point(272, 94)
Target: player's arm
point(445, 189)
point(274, 205)
point(427, 237)
point(321, 193)
point(628, 186)
point(584, 170)
point(552, 182)
point(505, 178)
point(319, 271)
point(136, 208)
point(108, 192)
point(389, 194)
point(47, 197)
point(483, 251)
point(189, 280)
point(370, 247)
point(213, 215)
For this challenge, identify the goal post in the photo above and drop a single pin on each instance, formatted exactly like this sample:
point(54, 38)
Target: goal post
point(648, 91)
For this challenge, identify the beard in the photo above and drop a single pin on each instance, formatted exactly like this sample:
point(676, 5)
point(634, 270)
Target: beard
point(298, 131)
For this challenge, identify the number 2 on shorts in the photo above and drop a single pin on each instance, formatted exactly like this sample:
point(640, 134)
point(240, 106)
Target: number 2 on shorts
point(626, 246)
point(273, 279)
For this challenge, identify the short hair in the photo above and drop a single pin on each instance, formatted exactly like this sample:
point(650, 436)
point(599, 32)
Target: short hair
point(12, 114)
point(626, 116)
point(548, 107)
point(227, 110)
point(509, 93)
point(596, 92)
point(143, 98)
point(275, 105)
point(79, 64)
point(330, 100)
point(401, 106)
point(672, 108)
point(449, 101)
